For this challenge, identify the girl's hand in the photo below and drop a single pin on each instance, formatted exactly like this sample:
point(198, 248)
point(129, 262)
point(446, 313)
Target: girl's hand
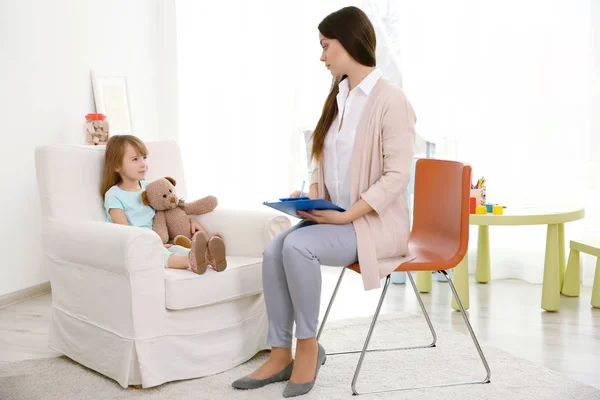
point(195, 225)
point(168, 245)
point(326, 216)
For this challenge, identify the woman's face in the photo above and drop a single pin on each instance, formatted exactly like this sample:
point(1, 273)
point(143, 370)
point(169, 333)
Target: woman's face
point(335, 56)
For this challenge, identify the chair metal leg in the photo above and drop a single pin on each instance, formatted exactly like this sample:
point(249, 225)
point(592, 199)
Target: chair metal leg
point(368, 338)
point(330, 304)
point(364, 350)
point(470, 328)
point(414, 286)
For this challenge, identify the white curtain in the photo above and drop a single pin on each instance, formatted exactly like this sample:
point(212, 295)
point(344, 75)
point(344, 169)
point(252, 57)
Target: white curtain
point(505, 86)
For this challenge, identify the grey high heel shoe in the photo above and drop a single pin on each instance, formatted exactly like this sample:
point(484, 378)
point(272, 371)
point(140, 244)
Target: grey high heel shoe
point(298, 389)
point(246, 383)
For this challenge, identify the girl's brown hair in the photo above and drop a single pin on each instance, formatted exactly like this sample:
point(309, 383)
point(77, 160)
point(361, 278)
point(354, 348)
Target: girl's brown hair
point(352, 27)
point(113, 158)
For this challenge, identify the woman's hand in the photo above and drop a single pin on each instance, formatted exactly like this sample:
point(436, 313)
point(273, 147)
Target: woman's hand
point(359, 209)
point(297, 194)
point(312, 194)
point(195, 225)
point(326, 216)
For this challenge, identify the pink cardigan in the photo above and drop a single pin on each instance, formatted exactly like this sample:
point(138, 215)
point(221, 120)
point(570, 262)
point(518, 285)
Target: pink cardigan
point(380, 171)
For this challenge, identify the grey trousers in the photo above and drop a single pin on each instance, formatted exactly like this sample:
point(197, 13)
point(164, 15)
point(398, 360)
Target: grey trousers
point(292, 276)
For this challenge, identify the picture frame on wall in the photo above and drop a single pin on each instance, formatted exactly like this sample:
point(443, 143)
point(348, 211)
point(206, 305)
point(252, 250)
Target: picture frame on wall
point(112, 99)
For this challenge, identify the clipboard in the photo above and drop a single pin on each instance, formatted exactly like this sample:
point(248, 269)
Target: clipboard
point(291, 205)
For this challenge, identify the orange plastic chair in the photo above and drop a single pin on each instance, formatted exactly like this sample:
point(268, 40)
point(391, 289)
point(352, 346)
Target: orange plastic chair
point(439, 240)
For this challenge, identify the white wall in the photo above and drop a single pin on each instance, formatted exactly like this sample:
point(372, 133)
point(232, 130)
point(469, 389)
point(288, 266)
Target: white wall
point(47, 49)
point(595, 136)
point(593, 205)
point(168, 95)
point(592, 212)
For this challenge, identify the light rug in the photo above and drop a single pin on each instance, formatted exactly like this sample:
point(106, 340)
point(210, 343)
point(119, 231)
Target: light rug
point(454, 359)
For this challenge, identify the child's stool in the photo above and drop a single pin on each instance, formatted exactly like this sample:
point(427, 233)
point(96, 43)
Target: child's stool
point(572, 274)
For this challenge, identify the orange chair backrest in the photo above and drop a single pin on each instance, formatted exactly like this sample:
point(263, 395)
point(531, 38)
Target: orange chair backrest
point(441, 206)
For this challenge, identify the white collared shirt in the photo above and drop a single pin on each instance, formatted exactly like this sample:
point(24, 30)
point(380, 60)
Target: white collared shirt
point(339, 143)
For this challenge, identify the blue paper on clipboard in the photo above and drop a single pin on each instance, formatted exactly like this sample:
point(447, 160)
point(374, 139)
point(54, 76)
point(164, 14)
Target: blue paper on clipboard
point(291, 205)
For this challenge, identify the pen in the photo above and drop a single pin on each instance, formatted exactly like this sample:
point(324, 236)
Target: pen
point(302, 188)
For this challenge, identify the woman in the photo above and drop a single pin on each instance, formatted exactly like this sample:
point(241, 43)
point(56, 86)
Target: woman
point(363, 151)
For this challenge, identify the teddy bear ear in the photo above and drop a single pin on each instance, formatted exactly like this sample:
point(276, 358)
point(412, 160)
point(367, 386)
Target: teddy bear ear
point(145, 198)
point(173, 182)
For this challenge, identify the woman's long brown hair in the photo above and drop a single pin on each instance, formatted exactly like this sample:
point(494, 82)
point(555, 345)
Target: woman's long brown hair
point(353, 29)
point(113, 158)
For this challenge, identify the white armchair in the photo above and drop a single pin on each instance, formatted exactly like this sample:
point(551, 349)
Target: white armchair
point(115, 309)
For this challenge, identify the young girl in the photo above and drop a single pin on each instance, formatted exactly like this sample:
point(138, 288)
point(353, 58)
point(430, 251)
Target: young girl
point(363, 150)
point(125, 168)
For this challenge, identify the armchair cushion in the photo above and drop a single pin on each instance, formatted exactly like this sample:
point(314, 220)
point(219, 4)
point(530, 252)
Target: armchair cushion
point(185, 289)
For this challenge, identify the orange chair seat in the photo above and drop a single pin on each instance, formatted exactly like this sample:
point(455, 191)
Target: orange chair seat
point(429, 256)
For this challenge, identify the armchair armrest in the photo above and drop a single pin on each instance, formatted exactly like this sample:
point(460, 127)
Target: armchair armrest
point(110, 247)
point(245, 232)
point(107, 275)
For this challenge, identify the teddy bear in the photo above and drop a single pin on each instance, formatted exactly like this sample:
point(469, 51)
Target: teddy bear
point(172, 224)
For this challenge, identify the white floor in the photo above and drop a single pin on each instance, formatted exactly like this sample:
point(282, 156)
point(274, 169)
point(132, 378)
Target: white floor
point(504, 313)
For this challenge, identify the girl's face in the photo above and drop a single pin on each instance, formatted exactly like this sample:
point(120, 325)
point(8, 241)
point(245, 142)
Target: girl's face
point(335, 56)
point(134, 165)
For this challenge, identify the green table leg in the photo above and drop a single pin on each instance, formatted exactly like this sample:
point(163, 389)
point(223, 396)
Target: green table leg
point(572, 275)
point(461, 283)
point(424, 281)
point(561, 252)
point(596, 287)
point(551, 285)
point(482, 273)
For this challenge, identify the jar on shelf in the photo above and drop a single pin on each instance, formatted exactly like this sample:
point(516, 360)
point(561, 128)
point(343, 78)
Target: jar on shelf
point(96, 129)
